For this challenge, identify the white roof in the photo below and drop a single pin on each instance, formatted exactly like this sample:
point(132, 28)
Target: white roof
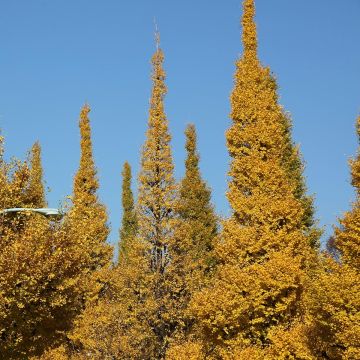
point(43, 211)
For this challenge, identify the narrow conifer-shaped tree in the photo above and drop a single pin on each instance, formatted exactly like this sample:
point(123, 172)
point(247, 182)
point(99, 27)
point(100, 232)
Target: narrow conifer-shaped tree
point(156, 200)
point(88, 217)
point(3, 179)
point(294, 166)
point(347, 239)
point(130, 320)
point(129, 221)
point(255, 298)
point(35, 193)
point(335, 295)
point(191, 247)
point(194, 204)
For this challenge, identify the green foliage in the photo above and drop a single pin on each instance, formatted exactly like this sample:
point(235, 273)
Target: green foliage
point(191, 246)
point(129, 219)
point(35, 196)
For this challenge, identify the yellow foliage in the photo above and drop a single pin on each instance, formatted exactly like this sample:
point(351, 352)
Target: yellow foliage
point(257, 291)
point(129, 320)
point(347, 236)
point(264, 250)
point(186, 351)
point(35, 194)
point(335, 296)
point(191, 246)
point(115, 325)
point(46, 267)
point(86, 221)
point(334, 302)
point(156, 200)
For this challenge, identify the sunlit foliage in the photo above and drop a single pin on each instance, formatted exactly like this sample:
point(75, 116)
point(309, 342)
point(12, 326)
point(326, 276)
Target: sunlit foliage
point(264, 251)
point(335, 296)
point(186, 285)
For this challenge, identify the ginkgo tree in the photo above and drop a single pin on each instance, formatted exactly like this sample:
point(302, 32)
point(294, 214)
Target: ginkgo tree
point(255, 297)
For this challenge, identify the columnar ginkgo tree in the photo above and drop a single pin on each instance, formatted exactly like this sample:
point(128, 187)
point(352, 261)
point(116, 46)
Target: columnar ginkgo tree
point(129, 220)
point(335, 294)
point(156, 200)
point(191, 246)
point(135, 308)
point(81, 248)
point(87, 219)
point(347, 235)
point(35, 195)
point(256, 294)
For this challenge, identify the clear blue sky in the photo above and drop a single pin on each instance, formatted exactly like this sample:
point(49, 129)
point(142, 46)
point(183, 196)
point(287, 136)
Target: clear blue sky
point(57, 54)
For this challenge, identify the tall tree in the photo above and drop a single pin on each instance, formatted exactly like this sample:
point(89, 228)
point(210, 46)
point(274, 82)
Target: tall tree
point(129, 220)
point(85, 255)
point(335, 296)
point(37, 290)
point(130, 318)
point(156, 200)
point(35, 192)
point(347, 235)
point(194, 204)
point(115, 325)
point(87, 219)
point(3, 175)
point(294, 167)
point(256, 294)
point(191, 247)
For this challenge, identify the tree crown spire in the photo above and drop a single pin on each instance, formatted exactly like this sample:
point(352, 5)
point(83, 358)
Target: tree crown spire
point(192, 160)
point(156, 34)
point(129, 220)
point(249, 36)
point(355, 163)
point(36, 192)
point(86, 182)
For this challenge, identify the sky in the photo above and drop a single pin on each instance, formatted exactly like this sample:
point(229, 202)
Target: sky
point(55, 55)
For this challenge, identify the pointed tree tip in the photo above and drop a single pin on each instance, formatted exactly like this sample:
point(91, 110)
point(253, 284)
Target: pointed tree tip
point(249, 36)
point(126, 166)
point(86, 107)
point(36, 144)
point(190, 129)
point(156, 35)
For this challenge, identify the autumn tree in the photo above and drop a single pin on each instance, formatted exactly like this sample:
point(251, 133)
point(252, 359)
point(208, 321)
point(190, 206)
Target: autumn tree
point(79, 250)
point(86, 222)
point(2, 173)
point(156, 201)
point(30, 262)
point(194, 204)
point(255, 298)
point(294, 167)
point(115, 324)
point(191, 246)
point(130, 318)
point(14, 181)
point(129, 220)
point(334, 299)
point(347, 235)
point(35, 194)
